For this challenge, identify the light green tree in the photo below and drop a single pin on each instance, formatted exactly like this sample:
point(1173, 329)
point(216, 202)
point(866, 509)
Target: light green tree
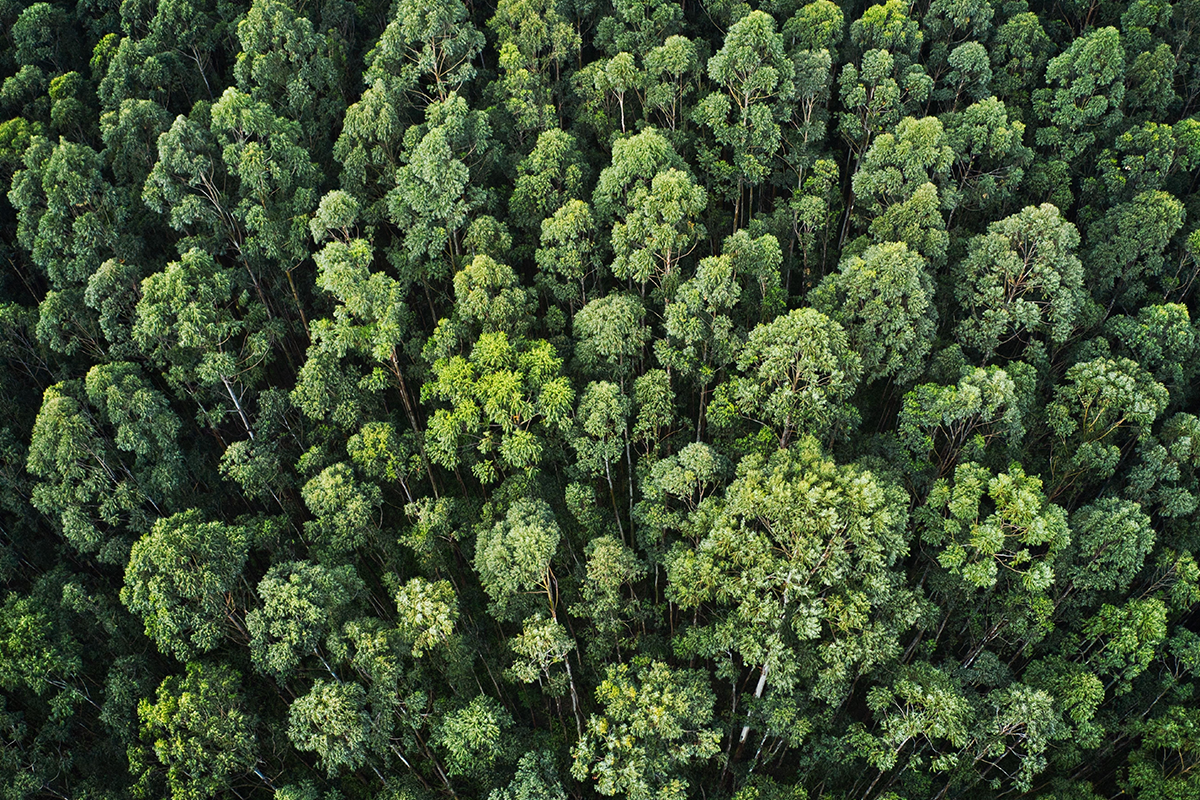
point(1019, 280)
point(1087, 87)
point(797, 374)
point(655, 721)
point(199, 729)
point(302, 604)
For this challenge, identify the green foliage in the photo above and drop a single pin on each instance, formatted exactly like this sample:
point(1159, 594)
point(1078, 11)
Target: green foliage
point(1098, 407)
point(1021, 279)
point(507, 398)
point(537, 777)
point(655, 721)
point(800, 550)
point(183, 580)
point(1022, 533)
point(427, 612)
point(942, 423)
point(797, 372)
point(514, 555)
point(302, 604)
point(330, 720)
point(199, 730)
point(556, 398)
point(1087, 85)
point(884, 299)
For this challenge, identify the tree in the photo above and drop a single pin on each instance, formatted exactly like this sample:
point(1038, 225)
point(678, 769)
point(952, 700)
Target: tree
point(886, 26)
point(1019, 53)
point(938, 424)
point(346, 512)
point(658, 231)
point(302, 604)
point(426, 50)
point(541, 645)
point(969, 77)
point(199, 729)
point(756, 76)
point(234, 176)
point(612, 568)
point(603, 420)
point(1119, 642)
point(213, 342)
point(638, 25)
point(1103, 406)
point(671, 76)
point(875, 94)
point(1023, 533)
point(611, 334)
point(898, 163)
point(636, 160)
point(1021, 279)
point(1127, 248)
point(332, 721)
point(655, 721)
point(707, 321)
point(513, 556)
point(428, 611)
point(435, 194)
point(989, 158)
point(290, 67)
point(184, 580)
point(921, 713)
point(535, 41)
point(619, 77)
point(1112, 539)
point(98, 495)
point(567, 253)
point(798, 371)
point(1087, 88)
point(547, 178)
point(488, 296)
point(371, 319)
point(507, 398)
point(472, 736)
point(884, 299)
point(1163, 764)
point(796, 564)
point(1161, 338)
point(71, 220)
point(537, 777)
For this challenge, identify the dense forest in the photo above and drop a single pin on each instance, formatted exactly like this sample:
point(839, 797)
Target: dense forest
point(548, 399)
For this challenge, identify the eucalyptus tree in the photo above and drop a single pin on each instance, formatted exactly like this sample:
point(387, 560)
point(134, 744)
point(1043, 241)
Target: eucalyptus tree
point(655, 721)
point(796, 563)
point(798, 374)
point(437, 188)
point(200, 732)
point(755, 74)
point(184, 580)
point(884, 299)
point(1087, 87)
point(106, 455)
point(235, 178)
point(1020, 280)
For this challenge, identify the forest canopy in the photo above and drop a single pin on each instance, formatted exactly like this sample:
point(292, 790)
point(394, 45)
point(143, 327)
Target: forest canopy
point(548, 399)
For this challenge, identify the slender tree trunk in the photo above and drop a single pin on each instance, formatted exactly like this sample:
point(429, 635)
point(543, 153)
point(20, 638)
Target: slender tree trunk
point(612, 492)
point(238, 405)
point(758, 692)
point(411, 413)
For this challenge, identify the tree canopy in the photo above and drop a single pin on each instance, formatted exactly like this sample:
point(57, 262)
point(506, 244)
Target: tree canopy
point(563, 399)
